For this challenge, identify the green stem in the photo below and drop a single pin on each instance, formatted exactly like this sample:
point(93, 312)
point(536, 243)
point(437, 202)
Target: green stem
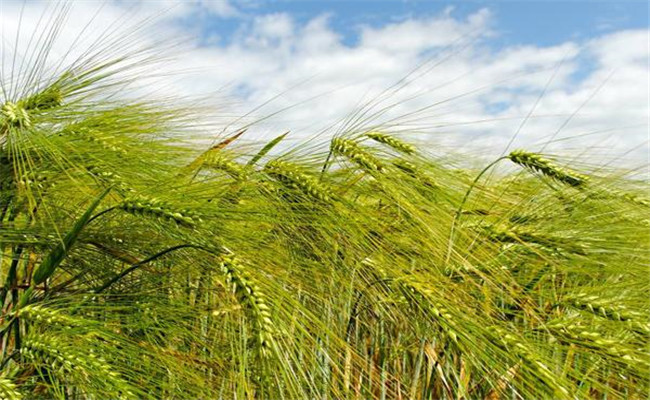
point(143, 262)
point(462, 204)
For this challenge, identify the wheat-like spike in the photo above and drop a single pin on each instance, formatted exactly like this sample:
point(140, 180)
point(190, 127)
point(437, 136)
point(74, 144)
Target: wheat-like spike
point(356, 154)
point(519, 235)
point(109, 178)
point(536, 162)
point(510, 342)
point(250, 295)
point(230, 167)
point(93, 136)
point(49, 98)
point(67, 360)
point(593, 339)
point(47, 316)
point(623, 195)
point(292, 176)
point(158, 209)
point(8, 390)
point(605, 309)
point(412, 170)
point(392, 142)
point(445, 320)
point(14, 115)
point(35, 179)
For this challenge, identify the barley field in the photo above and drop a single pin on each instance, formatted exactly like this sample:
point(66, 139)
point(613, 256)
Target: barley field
point(137, 264)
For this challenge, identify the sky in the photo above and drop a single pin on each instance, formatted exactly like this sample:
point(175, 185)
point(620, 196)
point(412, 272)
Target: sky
point(567, 77)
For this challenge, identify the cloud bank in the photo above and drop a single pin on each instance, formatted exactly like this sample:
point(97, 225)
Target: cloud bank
point(440, 78)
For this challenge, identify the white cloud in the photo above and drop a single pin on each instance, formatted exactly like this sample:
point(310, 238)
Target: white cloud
point(467, 94)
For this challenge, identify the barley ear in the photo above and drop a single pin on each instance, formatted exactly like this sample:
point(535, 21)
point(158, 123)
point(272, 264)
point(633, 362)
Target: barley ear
point(8, 390)
point(390, 141)
point(537, 163)
point(356, 154)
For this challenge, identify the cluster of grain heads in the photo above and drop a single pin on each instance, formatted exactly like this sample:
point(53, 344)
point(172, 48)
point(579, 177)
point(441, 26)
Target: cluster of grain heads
point(391, 141)
point(537, 163)
point(253, 299)
point(356, 154)
point(293, 176)
point(8, 390)
point(158, 209)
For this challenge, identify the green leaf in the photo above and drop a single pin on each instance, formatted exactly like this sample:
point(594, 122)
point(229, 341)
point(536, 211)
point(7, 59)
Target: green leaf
point(266, 149)
point(54, 258)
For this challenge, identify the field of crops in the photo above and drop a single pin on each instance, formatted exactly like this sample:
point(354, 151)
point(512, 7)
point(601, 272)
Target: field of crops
point(134, 264)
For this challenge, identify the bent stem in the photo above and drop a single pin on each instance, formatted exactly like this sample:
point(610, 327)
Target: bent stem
point(462, 204)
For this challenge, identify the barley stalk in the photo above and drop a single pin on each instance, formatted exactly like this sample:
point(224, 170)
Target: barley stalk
point(45, 315)
point(595, 340)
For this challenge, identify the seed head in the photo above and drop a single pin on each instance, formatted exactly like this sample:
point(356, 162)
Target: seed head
point(356, 154)
point(391, 142)
point(537, 163)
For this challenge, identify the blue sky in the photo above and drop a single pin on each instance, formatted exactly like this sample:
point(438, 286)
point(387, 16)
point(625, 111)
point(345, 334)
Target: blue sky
point(518, 22)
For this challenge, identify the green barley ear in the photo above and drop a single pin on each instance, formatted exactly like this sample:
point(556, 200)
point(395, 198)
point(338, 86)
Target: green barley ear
point(606, 309)
point(14, 115)
point(158, 209)
point(90, 372)
point(219, 162)
point(47, 316)
point(292, 176)
point(8, 390)
point(250, 296)
point(356, 154)
point(390, 141)
point(511, 343)
point(537, 163)
point(47, 99)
